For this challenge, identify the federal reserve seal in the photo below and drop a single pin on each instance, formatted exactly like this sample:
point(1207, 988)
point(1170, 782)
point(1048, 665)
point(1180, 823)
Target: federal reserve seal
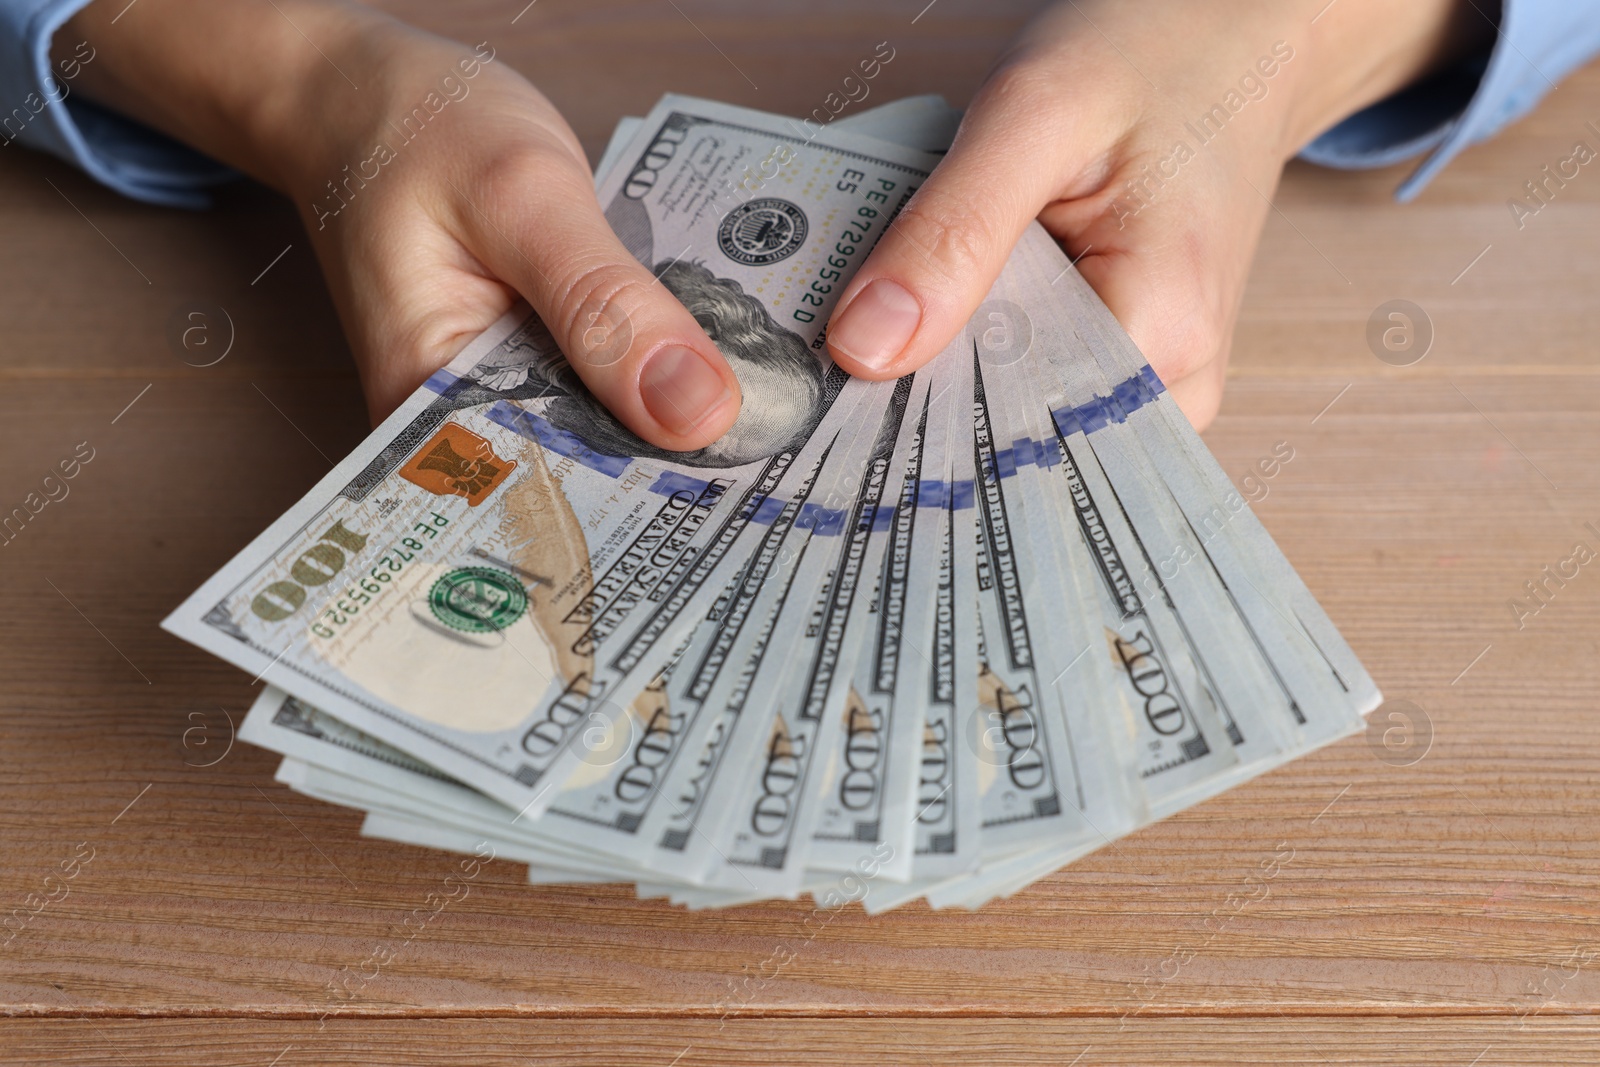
point(477, 600)
point(762, 231)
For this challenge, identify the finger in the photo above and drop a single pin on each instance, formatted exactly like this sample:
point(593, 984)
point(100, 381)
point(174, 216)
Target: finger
point(1172, 272)
point(941, 254)
point(534, 221)
point(1199, 396)
point(1178, 324)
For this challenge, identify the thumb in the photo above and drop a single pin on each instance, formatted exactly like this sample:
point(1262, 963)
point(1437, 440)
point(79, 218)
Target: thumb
point(537, 226)
point(941, 254)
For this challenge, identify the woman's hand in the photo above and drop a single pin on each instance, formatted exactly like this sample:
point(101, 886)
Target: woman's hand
point(437, 185)
point(1147, 137)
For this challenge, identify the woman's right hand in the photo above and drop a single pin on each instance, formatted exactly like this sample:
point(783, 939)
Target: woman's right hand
point(437, 185)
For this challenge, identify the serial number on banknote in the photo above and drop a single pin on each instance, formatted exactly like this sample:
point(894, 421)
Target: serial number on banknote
point(323, 562)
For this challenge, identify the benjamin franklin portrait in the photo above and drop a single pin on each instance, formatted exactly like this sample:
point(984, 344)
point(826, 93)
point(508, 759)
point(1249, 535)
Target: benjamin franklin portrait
point(781, 380)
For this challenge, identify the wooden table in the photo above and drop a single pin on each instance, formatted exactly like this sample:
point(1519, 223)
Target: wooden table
point(1446, 911)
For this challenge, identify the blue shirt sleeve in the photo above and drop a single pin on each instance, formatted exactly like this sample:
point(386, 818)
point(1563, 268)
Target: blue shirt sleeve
point(39, 109)
point(1537, 43)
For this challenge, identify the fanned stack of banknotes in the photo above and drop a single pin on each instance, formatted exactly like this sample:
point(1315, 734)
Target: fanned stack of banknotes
point(928, 638)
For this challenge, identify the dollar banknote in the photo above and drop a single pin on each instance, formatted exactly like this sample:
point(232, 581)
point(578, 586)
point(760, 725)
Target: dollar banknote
point(928, 638)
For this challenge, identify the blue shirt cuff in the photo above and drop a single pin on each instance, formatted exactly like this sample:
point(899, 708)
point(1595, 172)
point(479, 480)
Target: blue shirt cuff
point(1537, 43)
point(41, 111)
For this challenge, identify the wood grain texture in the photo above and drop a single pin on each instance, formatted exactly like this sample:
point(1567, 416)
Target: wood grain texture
point(1430, 911)
point(673, 1042)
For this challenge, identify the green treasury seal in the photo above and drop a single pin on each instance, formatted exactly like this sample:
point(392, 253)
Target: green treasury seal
point(478, 599)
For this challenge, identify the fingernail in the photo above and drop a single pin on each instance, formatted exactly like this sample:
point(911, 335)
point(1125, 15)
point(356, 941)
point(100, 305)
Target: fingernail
point(680, 388)
point(874, 329)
